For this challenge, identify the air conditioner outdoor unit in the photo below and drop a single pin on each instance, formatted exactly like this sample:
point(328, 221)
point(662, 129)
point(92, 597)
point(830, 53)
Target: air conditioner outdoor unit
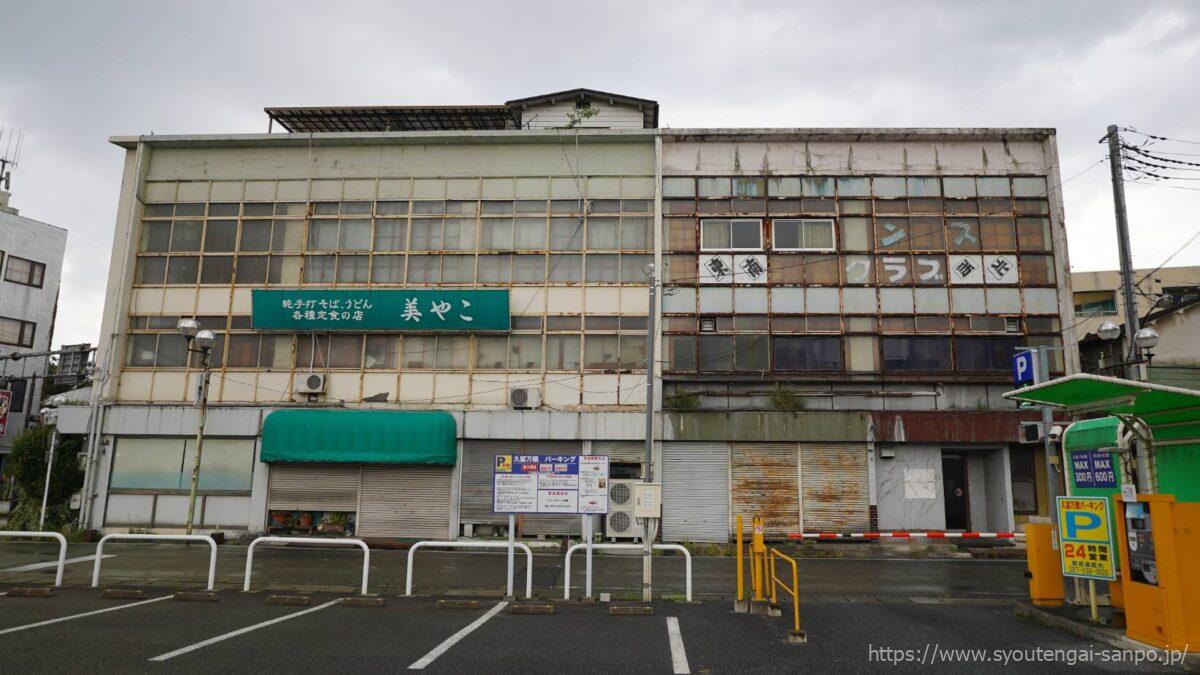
point(524, 398)
point(309, 383)
point(620, 523)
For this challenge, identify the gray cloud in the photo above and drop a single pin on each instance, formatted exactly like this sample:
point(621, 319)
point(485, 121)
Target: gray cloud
point(75, 74)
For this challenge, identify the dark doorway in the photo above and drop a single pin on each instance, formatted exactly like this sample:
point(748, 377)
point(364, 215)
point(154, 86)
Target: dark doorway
point(954, 486)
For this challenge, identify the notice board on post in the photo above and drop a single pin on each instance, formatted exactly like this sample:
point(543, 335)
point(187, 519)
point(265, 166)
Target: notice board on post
point(1085, 533)
point(562, 484)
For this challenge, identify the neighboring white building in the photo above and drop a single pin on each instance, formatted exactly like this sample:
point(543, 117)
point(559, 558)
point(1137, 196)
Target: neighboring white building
point(31, 257)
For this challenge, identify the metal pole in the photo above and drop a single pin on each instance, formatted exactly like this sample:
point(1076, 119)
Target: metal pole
point(1041, 373)
point(587, 577)
point(1118, 185)
point(648, 525)
point(49, 468)
point(199, 444)
point(512, 544)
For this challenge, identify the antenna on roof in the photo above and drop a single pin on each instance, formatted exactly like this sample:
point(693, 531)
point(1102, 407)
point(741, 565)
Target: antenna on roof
point(11, 155)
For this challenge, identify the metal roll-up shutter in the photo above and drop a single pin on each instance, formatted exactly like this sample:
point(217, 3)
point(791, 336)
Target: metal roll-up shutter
point(313, 487)
point(475, 489)
point(695, 484)
point(412, 502)
point(835, 488)
point(765, 483)
point(552, 525)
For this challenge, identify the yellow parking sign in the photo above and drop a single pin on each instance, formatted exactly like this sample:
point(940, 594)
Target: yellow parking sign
point(1085, 532)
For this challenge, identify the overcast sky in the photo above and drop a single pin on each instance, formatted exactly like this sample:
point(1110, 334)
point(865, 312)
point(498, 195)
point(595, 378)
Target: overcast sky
point(73, 74)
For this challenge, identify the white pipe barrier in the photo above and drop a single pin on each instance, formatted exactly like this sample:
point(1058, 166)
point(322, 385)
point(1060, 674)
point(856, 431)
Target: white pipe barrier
point(408, 577)
point(687, 558)
point(212, 558)
point(311, 541)
point(62, 547)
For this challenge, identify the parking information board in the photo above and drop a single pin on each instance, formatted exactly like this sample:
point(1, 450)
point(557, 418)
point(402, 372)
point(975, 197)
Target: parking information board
point(1085, 532)
point(550, 484)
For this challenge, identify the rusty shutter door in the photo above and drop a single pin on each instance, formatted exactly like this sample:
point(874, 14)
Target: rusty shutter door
point(551, 525)
point(765, 483)
point(313, 487)
point(695, 498)
point(475, 490)
point(835, 488)
point(412, 502)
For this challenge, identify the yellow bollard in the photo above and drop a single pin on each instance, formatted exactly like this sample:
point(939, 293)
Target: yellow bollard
point(741, 590)
point(758, 559)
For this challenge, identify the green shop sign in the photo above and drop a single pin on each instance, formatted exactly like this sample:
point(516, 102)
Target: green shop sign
point(380, 310)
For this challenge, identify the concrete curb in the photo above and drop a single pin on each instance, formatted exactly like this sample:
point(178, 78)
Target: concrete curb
point(1108, 636)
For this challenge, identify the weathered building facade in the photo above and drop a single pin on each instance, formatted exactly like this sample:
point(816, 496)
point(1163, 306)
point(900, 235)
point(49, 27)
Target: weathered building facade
point(837, 315)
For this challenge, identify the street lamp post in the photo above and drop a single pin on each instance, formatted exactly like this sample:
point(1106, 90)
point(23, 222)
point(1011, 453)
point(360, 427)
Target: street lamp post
point(1144, 340)
point(199, 341)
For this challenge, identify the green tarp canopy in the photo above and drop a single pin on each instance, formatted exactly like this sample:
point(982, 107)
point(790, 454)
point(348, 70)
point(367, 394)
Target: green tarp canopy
point(1091, 434)
point(360, 436)
point(1171, 414)
point(1153, 404)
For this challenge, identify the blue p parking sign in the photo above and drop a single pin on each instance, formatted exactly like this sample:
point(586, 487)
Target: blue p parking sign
point(1022, 368)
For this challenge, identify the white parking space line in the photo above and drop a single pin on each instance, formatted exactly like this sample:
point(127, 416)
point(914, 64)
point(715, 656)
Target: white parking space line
point(449, 642)
point(678, 654)
point(80, 616)
point(241, 631)
point(54, 563)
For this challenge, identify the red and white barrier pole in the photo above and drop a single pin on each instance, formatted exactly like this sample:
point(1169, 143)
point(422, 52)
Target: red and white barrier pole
point(907, 535)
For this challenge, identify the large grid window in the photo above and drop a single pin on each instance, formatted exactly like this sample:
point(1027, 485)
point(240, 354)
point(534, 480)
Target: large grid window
point(423, 242)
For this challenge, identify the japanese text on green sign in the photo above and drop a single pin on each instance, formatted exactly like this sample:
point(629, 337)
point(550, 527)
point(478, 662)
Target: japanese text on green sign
point(451, 310)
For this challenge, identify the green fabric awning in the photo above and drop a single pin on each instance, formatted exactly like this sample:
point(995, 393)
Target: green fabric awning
point(360, 436)
point(1091, 434)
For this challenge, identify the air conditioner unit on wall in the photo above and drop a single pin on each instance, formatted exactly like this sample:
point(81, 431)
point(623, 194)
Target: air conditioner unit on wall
point(620, 522)
point(524, 398)
point(309, 383)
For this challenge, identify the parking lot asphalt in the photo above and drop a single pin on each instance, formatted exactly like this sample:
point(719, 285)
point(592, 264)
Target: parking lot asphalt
point(241, 632)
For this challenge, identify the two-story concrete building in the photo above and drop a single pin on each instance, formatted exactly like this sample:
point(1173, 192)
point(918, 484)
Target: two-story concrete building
point(401, 293)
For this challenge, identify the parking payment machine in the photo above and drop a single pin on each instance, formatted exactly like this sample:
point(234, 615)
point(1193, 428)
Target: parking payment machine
point(1139, 543)
point(1160, 569)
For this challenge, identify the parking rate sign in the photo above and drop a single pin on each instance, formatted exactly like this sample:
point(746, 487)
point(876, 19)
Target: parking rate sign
point(550, 484)
point(1085, 533)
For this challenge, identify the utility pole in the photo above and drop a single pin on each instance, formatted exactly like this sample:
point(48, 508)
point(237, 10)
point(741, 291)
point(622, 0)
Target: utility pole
point(649, 529)
point(1118, 185)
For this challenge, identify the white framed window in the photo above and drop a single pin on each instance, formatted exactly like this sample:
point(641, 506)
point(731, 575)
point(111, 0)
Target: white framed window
point(802, 234)
point(731, 234)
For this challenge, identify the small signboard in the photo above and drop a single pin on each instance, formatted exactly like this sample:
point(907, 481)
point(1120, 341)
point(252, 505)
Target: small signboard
point(1022, 368)
point(1093, 469)
point(550, 484)
point(5, 403)
point(1085, 531)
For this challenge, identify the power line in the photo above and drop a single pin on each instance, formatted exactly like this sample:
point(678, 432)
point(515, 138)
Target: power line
point(1160, 138)
point(1170, 257)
